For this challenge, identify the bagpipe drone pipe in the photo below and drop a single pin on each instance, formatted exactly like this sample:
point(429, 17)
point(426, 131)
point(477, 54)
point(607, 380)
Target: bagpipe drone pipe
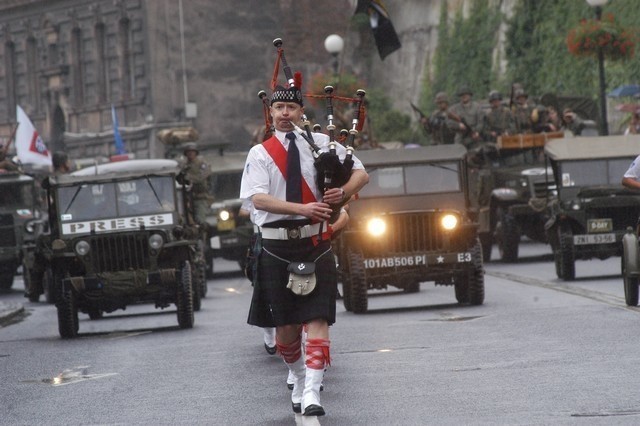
point(332, 172)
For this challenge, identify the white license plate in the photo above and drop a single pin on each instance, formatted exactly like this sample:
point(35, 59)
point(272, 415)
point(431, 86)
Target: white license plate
point(594, 239)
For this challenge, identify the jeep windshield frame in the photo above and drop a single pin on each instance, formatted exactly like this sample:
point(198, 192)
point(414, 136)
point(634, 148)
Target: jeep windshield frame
point(17, 194)
point(413, 179)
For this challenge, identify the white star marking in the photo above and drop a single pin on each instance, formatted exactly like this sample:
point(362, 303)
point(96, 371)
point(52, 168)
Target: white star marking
point(440, 259)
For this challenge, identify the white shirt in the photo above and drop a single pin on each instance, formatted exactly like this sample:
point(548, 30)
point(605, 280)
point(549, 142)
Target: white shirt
point(262, 176)
point(634, 170)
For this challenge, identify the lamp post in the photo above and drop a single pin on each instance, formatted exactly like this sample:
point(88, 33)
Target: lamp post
point(604, 126)
point(334, 45)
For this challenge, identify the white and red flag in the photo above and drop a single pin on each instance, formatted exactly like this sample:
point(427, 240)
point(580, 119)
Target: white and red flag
point(29, 145)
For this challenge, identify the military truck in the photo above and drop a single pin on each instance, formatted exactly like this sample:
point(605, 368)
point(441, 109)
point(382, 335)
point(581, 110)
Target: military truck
point(229, 231)
point(120, 236)
point(514, 187)
point(411, 224)
point(593, 210)
point(21, 221)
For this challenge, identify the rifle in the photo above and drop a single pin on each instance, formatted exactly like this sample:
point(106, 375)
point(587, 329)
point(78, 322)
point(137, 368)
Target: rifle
point(5, 148)
point(424, 120)
point(456, 117)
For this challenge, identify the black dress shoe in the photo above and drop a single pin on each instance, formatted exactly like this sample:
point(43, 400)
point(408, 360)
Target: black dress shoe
point(314, 410)
point(297, 408)
point(270, 349)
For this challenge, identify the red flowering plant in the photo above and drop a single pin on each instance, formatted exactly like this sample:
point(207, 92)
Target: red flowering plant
point(616, 41)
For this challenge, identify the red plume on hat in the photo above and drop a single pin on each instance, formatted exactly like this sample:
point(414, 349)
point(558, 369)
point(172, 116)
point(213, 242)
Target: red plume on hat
point(297, 80)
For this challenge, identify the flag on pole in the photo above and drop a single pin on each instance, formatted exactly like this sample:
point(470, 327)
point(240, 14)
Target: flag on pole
point(30, 147)
point(384, 33)
point(116, 132)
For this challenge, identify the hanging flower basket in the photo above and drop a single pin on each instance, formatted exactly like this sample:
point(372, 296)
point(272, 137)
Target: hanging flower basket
point(592, 35)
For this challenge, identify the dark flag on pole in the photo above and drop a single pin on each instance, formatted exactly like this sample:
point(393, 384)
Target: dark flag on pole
point(384, 34)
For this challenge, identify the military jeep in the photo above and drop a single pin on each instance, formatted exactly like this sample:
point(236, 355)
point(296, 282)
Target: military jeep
point(411, 224)
point(229, 230)
point(593, 210)
point(514, 188)
point(118, 238)
point(21, 221)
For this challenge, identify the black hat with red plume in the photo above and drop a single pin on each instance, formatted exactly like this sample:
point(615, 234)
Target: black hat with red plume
point(291, 94)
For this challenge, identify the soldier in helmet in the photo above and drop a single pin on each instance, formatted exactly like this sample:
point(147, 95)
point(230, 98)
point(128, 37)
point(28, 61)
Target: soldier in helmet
point(466, 119)
point(523, 111)
point(498, 121)
point(197, 173)
point(436, 124)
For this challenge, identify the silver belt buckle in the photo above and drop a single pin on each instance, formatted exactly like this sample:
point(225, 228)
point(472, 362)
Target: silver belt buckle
point(294, 233)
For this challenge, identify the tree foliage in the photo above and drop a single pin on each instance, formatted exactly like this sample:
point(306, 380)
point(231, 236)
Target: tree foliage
point(536, 53)
point(465, 51)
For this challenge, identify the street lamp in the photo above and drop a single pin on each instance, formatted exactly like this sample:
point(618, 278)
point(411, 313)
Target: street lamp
point(604, 126)
point(334, 45)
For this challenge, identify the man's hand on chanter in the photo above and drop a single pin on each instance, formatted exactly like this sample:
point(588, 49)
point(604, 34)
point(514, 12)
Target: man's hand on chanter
point(318, 211)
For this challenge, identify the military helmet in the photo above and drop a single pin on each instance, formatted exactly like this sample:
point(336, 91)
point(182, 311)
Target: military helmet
point(520, 92)
point(495, 95)
point(464, 90)
point(441, 97)
point(191, 146)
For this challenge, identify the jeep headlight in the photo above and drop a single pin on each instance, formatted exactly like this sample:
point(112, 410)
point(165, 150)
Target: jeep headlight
point(82, 248)
point(224, 215)
point(449, 221)
point(30, 226)
point(156, 241)
point(376, 226)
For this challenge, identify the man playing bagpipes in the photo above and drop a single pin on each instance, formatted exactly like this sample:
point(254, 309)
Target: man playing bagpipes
point(296, 279)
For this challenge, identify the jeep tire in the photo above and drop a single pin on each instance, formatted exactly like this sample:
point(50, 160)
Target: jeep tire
point(629, 255)
point(476, 276)
point(357, 282)
point(67, 307)
point(184, 296)
point(507, 236)
point(564, 256)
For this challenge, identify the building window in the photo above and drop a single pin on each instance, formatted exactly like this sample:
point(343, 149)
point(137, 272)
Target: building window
point(124, 49)
point(77, 67)
point(101, 62)
point(10, 76)
point(33, 71)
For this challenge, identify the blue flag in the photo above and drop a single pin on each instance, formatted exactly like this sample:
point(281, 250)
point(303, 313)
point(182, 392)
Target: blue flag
point(116, 133)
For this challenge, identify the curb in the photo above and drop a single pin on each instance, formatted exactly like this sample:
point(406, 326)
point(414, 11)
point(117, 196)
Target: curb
point(8, 311)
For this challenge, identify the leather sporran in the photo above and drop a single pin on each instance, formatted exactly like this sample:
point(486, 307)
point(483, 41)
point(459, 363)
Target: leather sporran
point(302, 277)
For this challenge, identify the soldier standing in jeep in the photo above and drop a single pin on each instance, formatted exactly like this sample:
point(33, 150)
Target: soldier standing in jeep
point(197, 173)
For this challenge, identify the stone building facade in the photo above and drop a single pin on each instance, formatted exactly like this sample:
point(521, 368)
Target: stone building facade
point(159, 63)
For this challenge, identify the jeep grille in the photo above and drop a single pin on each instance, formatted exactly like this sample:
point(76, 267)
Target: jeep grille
point(412, 232)
point(113, 253)
point(621, 217)
point(7, 233)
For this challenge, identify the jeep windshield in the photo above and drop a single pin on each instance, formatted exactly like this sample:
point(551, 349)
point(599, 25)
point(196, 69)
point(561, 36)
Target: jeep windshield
point(135, 197)
point(17, 194)
point(593, 172)
point(427, 178)
point(226, 186)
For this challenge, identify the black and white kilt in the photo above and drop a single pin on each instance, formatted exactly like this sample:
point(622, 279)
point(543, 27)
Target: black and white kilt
point(273, 304)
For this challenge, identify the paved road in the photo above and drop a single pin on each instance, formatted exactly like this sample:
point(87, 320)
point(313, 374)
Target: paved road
point(539, 351)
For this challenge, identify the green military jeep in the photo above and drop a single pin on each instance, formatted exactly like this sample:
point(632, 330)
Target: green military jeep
point(21, 221)
point(411, 224)
point(593, 210)
point(514, 188)
point(229, 231)
point(120, 236)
